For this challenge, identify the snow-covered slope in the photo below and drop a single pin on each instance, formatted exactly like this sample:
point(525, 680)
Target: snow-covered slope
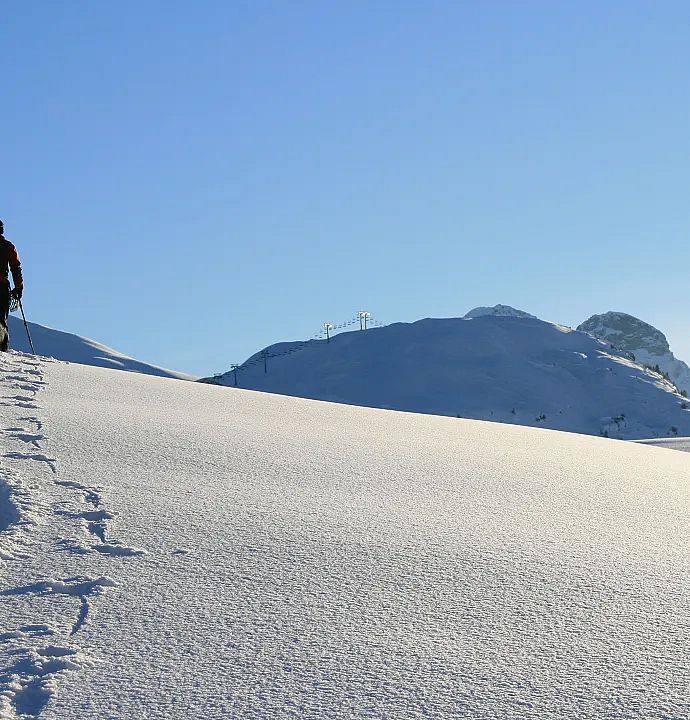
point(679, 443)
point(504, 366)
point(72, 348)
point(498, 311)
point(648, 345)
point(269, 557)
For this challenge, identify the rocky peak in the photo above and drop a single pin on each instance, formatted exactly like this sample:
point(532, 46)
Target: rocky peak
point(626, 333)
point(499, 311)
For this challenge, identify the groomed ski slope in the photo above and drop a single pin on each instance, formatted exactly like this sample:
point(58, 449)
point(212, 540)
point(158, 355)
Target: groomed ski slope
point(184, 551)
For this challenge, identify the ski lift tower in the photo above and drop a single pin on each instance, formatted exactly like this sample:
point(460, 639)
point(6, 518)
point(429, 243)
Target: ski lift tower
point(234, 367)
point(328, 327)
point(363, 316)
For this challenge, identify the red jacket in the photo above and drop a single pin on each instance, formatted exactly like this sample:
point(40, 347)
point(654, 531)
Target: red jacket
point(9, 261)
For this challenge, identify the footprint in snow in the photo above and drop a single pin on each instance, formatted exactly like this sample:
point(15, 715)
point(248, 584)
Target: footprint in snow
point(115, 548)
point(27, 632)
point(21, 404)
point(30, 682)
point(35, 421)
point(27, 437)
point(22, 379)
point(90, 494)
point(96, 523)
point(96, 515)
point(21, 398)
point(73, 545)
point(38, 457)
point(79, 587)
point(32, 388)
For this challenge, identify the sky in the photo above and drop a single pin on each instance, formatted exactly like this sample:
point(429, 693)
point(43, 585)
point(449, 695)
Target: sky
point(190, 182)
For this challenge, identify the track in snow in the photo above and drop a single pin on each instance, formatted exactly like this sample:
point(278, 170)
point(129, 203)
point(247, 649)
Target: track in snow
point(34, 654)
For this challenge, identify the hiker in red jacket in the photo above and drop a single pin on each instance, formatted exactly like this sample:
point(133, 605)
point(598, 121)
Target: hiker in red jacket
point(9, 261)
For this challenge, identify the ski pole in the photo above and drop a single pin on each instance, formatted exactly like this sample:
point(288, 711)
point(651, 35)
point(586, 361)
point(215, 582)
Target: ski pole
point(26, 325)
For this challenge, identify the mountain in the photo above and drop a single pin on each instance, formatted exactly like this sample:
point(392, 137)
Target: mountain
point(498, 311)
point(72, 348)
point(644, 341)
point(504, 366)
point(270, 557)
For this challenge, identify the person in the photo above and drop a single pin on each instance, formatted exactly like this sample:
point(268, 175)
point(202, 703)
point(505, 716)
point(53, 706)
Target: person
point(9, 262)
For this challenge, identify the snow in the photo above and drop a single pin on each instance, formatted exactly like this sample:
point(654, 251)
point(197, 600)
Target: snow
point(676, 443)
point(72, 348)
point(313, 560)
point(498, 311)
point(498, 367)
point(644, 341)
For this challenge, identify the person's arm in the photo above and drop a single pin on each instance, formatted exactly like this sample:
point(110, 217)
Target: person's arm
point(16, 268)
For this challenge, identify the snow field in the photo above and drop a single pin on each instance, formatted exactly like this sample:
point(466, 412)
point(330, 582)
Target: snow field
point(311, 560)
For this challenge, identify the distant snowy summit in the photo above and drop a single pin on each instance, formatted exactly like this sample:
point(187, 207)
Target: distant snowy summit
point(498, 311)
point(72, 348)
point(648, 345)
point(498, 364)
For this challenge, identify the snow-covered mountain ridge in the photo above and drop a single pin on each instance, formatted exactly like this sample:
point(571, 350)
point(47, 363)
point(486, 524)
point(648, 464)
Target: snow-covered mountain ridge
point(494, 364)
point(73, 348)
point(644, 341)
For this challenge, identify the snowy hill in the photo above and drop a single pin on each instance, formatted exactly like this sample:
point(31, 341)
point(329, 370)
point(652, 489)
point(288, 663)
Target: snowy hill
point(72, 348)
point(648, 345)
point(501, 365)
point(269, 557)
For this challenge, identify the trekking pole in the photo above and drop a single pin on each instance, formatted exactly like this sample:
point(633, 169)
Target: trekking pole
point(26, 325)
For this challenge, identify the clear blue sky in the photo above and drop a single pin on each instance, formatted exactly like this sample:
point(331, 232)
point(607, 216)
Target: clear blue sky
point(189, 182)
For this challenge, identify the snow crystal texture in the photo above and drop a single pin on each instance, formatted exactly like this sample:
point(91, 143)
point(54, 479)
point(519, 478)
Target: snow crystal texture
point(309, 560)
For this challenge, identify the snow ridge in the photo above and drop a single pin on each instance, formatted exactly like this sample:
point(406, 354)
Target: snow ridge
point(36, 508)
point(73, 348)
